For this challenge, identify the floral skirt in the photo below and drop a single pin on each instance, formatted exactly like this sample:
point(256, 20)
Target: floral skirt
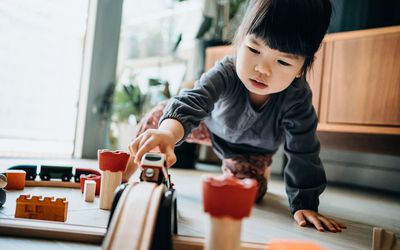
point(244, 166)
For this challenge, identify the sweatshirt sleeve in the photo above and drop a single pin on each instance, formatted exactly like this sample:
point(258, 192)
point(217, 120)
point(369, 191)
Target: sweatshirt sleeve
point(193, 105)
point(304, 174)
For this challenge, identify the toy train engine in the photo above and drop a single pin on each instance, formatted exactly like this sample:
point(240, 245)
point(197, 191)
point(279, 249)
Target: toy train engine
point(154, 169)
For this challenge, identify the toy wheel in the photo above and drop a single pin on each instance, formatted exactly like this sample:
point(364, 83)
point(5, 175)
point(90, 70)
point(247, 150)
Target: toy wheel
point(45, 177)
point(66, 178)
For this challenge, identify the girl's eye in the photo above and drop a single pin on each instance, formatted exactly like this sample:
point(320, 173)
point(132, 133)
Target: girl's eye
point(253, 50)
point(283, 63)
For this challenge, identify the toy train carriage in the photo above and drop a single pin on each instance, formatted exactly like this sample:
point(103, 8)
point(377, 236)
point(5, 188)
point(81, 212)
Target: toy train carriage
point(48, 172)
point(84, 171)
point(154, 169)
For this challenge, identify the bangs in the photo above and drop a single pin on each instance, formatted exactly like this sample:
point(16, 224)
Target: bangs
point(283, 27)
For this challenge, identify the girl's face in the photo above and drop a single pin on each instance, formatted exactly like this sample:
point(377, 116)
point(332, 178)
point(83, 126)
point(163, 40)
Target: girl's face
point(264, 70)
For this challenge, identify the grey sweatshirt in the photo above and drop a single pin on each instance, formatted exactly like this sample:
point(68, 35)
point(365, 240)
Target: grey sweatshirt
point(221, 100)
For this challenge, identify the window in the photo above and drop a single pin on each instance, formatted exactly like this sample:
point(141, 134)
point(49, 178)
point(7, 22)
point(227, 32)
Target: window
point(157, 46)
point(41, 53)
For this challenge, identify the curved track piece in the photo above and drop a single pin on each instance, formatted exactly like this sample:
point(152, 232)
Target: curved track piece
point(132, 225)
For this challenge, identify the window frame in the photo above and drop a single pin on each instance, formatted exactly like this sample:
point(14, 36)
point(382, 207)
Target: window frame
point(100, 55)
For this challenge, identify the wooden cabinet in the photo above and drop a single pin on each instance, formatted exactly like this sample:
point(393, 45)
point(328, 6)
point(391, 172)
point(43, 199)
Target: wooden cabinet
point(355, 81)
point(360, 89)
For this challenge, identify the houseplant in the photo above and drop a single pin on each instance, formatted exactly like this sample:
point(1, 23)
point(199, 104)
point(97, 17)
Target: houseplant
point(221, 18)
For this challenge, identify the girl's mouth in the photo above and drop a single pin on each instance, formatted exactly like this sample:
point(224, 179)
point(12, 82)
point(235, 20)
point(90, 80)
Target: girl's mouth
point(257, 84)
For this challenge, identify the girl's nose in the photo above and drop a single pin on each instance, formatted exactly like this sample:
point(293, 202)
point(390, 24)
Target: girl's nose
point(263, 69)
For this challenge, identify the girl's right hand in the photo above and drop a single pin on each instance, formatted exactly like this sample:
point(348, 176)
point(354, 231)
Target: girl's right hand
point(152, 138)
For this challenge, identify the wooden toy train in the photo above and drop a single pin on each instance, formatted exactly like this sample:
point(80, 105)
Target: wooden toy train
point(49, 172)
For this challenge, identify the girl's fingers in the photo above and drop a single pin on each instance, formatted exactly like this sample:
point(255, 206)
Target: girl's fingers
point(170, 155)
point(327, 223)
point(341, 224)
point(337, 226)
point(299, 218)
point(314, 220)
point(131, 146)
point(146, 147)
point(147, 135)
point(134, 146)
point(139, 142)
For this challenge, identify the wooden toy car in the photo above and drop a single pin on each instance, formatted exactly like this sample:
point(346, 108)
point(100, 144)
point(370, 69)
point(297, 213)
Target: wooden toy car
point(48, 172)
point(154, 169)
point(29, 169)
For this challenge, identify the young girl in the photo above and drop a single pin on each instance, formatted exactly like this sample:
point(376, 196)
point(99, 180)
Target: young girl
point(247, 104)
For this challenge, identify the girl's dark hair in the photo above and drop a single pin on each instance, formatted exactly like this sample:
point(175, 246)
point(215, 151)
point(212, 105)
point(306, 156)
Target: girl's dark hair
point(291, 26)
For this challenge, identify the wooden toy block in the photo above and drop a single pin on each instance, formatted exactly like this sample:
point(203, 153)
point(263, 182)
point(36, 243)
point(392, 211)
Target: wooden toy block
point(228, 200)
point(93, 177)
point(29, 169)
point(15, 179)
point(36, 207)
point(109, 182)
point(89, 190)
point(384, 240)
point(113, 164)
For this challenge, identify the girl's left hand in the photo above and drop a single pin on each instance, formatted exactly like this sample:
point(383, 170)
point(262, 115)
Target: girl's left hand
point(304, 216)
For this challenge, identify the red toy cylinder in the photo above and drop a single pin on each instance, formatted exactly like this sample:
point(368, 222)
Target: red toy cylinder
point(114, 161)
point(96, 178)
point(228, 196)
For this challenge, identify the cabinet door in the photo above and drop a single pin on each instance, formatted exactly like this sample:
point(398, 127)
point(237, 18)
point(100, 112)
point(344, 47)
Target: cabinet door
point(365, 81)
point(214, 54)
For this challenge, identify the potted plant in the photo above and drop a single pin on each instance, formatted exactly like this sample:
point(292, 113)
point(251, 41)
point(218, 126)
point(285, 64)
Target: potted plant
point(220, 20)
point(130, 104)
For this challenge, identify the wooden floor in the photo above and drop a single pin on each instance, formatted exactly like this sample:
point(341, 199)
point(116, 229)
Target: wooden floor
point(360, 210)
